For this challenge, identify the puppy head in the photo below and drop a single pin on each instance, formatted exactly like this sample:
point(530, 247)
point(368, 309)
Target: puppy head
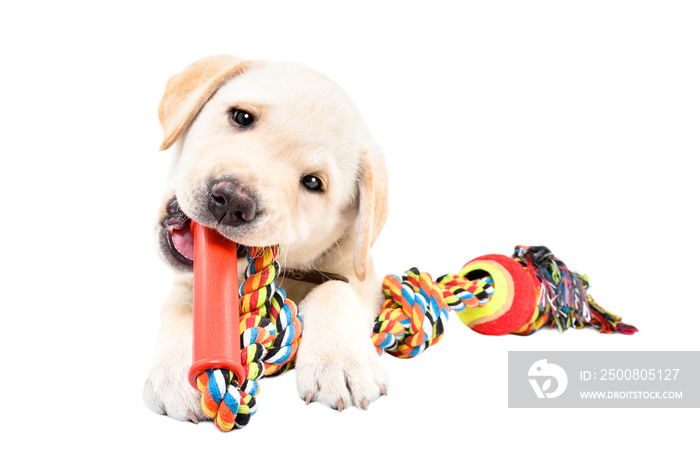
point(269, 153)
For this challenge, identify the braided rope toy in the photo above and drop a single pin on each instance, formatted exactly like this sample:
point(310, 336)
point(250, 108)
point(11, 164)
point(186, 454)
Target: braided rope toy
point(267, 334)
point(493, 295)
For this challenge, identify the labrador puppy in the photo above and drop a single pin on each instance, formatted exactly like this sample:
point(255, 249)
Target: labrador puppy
point(274, 153)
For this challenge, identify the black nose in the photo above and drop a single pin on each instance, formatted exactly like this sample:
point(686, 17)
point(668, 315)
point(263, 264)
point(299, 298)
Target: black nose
point(230, 203)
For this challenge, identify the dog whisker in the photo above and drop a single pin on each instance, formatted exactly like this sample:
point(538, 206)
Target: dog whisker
point(340, 252)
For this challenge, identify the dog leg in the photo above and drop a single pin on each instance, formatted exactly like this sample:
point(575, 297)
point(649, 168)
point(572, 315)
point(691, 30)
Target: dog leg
point(337, 364)
point(167, 390)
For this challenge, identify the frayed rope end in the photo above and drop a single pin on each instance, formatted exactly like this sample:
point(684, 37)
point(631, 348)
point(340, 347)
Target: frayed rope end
point(564, 301)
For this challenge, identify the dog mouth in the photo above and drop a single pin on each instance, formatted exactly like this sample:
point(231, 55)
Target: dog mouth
point(176, 229)
point(178, 236)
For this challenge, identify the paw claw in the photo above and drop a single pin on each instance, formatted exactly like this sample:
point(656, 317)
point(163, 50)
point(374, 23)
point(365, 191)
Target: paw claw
point(350, 375)
point(193, 418)
point(382, 389)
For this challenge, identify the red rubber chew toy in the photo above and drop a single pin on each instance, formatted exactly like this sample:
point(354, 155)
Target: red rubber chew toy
point(216, 343)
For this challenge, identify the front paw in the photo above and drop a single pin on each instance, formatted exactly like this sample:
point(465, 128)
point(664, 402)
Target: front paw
point(340, 375)
point(168, 391)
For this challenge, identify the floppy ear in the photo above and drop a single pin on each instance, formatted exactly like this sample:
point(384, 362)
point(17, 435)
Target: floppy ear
point(188, 91)
point(374, 207)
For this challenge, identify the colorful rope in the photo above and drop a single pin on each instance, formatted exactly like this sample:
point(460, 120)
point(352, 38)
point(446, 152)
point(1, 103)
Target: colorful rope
point(412, 318)
point(415, 311)
point(270, 333)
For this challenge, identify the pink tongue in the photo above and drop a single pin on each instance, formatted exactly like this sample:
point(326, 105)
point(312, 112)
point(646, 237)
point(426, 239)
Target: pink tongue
point(184, 242)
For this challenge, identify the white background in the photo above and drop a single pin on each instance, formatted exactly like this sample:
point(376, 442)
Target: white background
point(569, 124)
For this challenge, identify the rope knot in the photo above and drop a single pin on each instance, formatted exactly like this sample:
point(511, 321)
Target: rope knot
point(412, 317)
point(221, 397)
point(415, 311)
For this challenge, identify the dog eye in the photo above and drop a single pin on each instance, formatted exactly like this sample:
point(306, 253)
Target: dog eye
point(312, 183)
point(242, 118)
